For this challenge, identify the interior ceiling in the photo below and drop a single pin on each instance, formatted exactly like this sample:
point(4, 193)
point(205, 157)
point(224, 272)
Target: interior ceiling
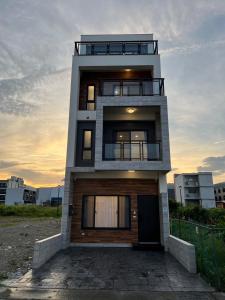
point(116, 69)
point(140, 113)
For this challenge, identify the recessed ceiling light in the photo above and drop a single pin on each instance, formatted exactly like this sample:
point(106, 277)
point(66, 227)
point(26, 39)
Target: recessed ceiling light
point(131, 110)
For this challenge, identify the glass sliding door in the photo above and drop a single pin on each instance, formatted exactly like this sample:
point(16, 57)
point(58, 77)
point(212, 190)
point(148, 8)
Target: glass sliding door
point(132, 144)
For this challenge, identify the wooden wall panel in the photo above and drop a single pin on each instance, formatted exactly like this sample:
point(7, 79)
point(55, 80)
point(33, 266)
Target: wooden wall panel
point(131, 187)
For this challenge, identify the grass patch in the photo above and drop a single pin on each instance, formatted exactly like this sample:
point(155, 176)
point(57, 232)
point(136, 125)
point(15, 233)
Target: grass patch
point(3, 276)
point(32, 211)
point(209, 244)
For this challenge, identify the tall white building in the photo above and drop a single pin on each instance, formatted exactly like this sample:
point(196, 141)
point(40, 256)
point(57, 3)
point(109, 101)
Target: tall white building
point(219, 191)
point(118, 144)
point(15, 191)
point(195, 188)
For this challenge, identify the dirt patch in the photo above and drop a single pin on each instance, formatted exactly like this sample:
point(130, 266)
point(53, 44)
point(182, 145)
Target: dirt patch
point(17, 238)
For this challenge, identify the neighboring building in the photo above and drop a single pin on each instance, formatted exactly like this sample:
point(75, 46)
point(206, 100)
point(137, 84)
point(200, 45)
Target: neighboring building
point(14, 191)
point(3, 189)
point(219, 190)
point(50, 195)
point(171, 191)
point(118, 144)
point(195, 188)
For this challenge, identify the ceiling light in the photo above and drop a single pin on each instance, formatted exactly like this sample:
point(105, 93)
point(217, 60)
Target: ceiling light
point(121, 136)
point(131, 171)
point(127, 70)
point(131, 110)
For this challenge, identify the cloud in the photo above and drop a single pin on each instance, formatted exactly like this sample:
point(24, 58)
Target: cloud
point(215, 164)
point(42, 178)
point(188, 49)
point(9, 164)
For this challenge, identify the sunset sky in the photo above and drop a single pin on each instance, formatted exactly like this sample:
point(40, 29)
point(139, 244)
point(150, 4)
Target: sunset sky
point(36, 47)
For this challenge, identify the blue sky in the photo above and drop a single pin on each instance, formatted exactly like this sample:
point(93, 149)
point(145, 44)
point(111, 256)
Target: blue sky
point(36, 45)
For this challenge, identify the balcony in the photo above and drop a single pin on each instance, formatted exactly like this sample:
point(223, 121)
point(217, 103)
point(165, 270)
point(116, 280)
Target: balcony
point(135, 151)
point(191, 183)
point(153, 87)
point(116, 48)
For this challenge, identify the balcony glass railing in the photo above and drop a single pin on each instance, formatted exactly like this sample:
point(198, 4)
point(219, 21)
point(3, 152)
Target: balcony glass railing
point(132, 151)
point(132, 87)
point(116, 48)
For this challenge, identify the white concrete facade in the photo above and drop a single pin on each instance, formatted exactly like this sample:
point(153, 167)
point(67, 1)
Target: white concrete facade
point(195, 188)
point(15, 191)
point(115, 169)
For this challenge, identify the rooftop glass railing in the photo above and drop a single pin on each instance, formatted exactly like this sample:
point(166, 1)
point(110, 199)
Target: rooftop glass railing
point(116, 48)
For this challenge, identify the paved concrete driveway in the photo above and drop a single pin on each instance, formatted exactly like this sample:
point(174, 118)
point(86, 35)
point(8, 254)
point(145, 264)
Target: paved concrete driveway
point(110, 273)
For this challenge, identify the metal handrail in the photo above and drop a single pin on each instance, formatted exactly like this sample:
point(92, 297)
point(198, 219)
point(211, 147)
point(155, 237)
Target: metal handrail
point(209, 227)
point(139, 85)
point(129, 157)
point(77, 48)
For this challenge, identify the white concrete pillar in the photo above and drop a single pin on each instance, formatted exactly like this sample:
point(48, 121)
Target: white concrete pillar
point(66, 219)
point(163, 210)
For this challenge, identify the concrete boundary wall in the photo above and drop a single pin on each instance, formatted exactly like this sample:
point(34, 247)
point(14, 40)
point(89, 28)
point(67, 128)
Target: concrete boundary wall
point(184, 252)
point(45, 249)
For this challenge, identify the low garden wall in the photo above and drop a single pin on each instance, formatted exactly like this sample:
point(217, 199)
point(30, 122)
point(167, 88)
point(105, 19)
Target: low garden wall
point(45, 249)
point(184, 252)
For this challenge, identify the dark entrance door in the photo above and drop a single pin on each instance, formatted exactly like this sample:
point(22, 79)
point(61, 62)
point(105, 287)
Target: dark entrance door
point(148, 219)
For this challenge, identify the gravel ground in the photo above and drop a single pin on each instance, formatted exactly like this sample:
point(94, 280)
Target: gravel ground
point(17, 238)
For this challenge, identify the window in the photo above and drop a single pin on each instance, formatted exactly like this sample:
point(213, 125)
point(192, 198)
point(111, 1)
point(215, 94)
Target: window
point(111, 88)
point(224, 190)
point(133, 144)
point(218, 190)
point(87, 145)
point(131, 88)
point(102, 212)
point(193, 190)
point(3, 185)
point(2, 197)
point(91, 97)
point(192, 202)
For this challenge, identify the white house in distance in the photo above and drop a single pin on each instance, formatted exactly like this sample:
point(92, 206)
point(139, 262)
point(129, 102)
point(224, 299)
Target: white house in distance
point(14, 191)
point(195, 188)
point(50, 195)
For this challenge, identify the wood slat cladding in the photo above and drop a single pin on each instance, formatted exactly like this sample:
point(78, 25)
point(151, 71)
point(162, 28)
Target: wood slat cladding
point(131, 187)
point(94, 78)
